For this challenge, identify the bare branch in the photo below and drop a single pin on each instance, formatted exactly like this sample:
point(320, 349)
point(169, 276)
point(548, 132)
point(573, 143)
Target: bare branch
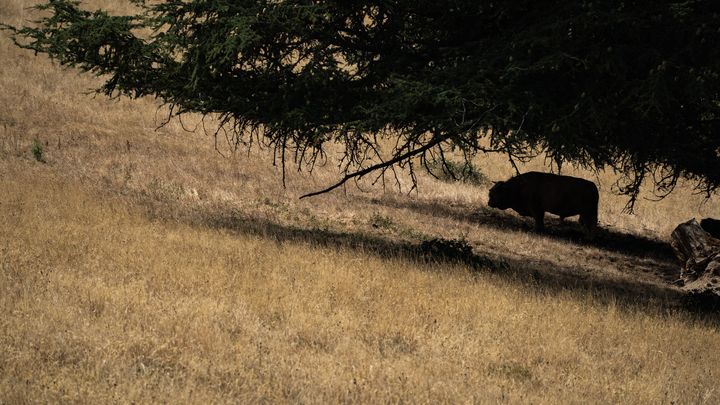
point(358, 174)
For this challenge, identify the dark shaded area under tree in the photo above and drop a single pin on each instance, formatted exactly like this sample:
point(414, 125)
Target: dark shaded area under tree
point(634, 86)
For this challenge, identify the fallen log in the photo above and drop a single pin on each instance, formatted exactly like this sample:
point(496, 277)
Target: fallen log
point(711, 226)
point(699, 254)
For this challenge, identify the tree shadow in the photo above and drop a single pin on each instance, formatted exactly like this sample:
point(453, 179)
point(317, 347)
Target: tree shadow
point(544, 275)
point(568, 231)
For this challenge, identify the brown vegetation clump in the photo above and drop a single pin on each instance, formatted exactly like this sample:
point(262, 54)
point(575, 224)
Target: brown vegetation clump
point(140, 265)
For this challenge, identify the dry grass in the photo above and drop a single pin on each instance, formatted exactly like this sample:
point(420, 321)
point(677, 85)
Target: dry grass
point(139, 265)
point(103, 304)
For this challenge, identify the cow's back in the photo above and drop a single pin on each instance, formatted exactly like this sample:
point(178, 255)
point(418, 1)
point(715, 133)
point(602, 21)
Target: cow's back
point(560, 195)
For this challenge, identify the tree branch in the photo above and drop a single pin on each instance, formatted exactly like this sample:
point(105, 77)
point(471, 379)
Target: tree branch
point(433, 142)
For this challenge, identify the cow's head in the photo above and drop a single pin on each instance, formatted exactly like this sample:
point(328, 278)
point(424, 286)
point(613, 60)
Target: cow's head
point(500, 196)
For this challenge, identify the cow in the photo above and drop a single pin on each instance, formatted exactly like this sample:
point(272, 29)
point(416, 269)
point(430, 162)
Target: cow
point(711, 226)
point(533, 194)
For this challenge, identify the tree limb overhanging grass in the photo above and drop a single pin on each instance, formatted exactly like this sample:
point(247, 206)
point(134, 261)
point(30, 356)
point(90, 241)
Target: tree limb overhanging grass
point(634, 89)
point(380, 166)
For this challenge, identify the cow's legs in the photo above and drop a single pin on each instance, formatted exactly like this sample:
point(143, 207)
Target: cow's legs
point(539, 221)
point(589, 222)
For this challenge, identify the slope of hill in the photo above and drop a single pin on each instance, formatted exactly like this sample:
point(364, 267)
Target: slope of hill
point(141, 264)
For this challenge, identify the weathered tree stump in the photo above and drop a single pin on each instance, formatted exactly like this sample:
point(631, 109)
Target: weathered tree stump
point(711, 226)
point(700, 254)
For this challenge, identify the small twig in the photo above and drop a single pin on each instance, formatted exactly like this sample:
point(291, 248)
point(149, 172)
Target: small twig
point(167, 120)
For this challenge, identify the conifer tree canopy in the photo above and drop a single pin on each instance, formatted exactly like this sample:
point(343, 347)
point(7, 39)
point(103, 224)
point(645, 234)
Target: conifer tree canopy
point(633, 86)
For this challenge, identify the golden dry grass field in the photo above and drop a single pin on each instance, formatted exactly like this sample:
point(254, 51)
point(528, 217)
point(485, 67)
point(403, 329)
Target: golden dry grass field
point(140, 265)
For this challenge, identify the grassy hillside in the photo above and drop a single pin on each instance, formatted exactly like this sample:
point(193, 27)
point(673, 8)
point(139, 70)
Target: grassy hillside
point(139, 264)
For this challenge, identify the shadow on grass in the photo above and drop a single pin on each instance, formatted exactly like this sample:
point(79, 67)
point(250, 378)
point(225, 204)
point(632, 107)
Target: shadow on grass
point(569, 230)
point(537, 273)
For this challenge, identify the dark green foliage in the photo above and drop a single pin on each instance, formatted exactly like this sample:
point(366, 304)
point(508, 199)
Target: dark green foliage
point(633, 86)
point(448, 249)
point(378, 220)
point(451, 170)
point(37, 151)
point(460, 251)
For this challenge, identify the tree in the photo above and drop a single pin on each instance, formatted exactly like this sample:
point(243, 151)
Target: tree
point(633, 86)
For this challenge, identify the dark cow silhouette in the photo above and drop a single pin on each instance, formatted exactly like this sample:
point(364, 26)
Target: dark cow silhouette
point(533, 194)
point(711, 226)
